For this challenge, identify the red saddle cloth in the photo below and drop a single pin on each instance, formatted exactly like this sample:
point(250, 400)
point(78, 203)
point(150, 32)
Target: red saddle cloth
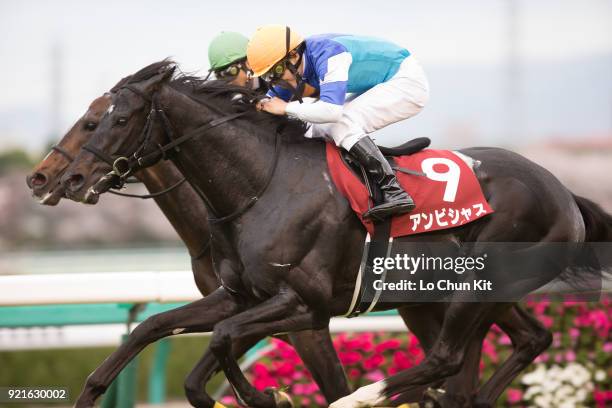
point(449, 196)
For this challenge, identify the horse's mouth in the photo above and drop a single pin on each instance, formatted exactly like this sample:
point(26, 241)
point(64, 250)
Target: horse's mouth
point(51, 198)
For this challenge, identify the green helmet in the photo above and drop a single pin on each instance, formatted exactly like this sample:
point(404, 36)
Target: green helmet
point(226, 48)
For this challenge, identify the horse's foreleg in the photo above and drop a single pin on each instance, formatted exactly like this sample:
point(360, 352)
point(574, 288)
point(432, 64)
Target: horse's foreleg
point(281, 313)
point(206, 367)
point(316, 349)
point(529, 338)
point(425, 322)
point(199, 316)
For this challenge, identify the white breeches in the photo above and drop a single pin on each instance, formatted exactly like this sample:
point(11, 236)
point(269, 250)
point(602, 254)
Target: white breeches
point(401, 97)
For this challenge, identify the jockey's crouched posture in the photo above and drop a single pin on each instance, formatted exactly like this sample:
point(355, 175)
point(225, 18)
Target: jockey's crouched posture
point(389, 83)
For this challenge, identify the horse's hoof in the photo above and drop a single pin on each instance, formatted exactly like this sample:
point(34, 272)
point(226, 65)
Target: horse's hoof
point(281, 398)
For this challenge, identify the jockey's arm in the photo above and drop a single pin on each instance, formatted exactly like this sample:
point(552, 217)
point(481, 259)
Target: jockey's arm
point(316, 112)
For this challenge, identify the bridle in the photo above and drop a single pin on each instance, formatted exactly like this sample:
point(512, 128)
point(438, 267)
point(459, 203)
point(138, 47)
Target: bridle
point(125, 166)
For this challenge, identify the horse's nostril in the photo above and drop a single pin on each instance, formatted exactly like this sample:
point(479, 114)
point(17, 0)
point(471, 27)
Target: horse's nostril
point(36, 180)
point(75, 182)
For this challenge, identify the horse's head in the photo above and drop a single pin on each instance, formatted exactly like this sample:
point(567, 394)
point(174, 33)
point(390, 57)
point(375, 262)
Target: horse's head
point(124, 132)
point(44, 179)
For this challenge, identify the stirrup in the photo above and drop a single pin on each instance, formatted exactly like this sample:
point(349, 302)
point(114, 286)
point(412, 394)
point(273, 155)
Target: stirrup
point(390, 209)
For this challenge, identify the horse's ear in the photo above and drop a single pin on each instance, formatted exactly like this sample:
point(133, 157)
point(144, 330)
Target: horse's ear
point(156, 80)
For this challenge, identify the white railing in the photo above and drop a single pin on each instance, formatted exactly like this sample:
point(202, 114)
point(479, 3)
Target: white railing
point(119, 287)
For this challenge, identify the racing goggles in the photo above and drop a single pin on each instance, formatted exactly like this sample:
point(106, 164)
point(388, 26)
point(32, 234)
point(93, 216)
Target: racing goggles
point(276, 72)
point(230, 71)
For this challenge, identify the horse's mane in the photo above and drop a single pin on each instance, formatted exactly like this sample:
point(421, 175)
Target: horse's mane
point(228, 99)
point(218, 95)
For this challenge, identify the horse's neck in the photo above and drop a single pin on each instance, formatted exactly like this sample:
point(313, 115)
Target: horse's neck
point(229, 163)
point(181, 206)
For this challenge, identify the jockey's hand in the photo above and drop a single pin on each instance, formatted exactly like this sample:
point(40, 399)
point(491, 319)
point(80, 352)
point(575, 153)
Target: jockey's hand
point(275, 106)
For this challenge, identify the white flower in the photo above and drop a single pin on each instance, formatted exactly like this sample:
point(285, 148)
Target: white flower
point(563, 392)
point(535, 377)
point(543, 400)
point(568, 402)
point(581, 395)
point(600, 375)
point(531, 391)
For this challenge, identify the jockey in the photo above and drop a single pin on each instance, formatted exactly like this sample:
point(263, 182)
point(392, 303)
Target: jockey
point(227, 58)
point(388, 82)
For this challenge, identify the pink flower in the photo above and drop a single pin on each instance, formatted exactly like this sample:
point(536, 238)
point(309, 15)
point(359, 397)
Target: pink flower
point(607, 347)
point(504, 340)
point(542, 358)
point(284, 369)
point(391, 344)
point(354, 373)
point(556, 340)
point(376, 375)
point(547, 321)
point(261, 383)
point(574, 333)
point(602, 398)
point(349, 357)
point(400, 361)
point(514, 395)
point(298, 389)
point(229, 400)
point(261, 370)
point(373, 362)
point(570, 356)
point(540, 307)
point(489, 350)
point(320, 400)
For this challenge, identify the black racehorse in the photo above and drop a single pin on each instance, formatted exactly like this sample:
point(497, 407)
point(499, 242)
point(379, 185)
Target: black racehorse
point(164, 181)
point(286, 245)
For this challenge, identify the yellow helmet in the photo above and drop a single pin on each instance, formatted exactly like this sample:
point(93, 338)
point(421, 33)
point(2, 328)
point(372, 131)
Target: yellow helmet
point(269, 45)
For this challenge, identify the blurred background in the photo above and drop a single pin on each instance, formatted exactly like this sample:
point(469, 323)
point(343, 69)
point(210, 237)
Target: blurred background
point(535, 77)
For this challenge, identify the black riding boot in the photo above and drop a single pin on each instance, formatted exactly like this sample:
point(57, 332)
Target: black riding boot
point(397, 201)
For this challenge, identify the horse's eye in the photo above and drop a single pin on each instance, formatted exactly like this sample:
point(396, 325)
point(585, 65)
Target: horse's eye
point(122, 121)
point(91, 126)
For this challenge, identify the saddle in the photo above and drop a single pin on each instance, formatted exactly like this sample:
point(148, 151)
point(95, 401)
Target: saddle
point(410, 147)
